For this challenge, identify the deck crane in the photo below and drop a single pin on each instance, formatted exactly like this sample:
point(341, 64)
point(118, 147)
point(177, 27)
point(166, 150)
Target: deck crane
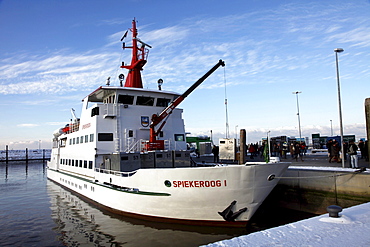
point(155, 144)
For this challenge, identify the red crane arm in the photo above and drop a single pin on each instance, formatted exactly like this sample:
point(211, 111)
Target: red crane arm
point(156, 119)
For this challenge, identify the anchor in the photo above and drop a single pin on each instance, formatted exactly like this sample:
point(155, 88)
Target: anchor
point(228, 213)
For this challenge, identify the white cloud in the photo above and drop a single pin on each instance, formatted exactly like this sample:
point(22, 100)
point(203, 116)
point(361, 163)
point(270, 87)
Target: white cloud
point(28, 125)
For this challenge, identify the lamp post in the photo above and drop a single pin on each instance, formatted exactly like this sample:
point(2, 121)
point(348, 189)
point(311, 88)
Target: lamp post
point(299, 119)
point(339, 50)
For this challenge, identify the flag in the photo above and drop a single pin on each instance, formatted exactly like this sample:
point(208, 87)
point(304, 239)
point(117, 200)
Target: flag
point(266, 152)
point(124, 36)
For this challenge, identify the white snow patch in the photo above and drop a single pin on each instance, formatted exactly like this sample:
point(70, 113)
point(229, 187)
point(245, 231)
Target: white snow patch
point(350, 229)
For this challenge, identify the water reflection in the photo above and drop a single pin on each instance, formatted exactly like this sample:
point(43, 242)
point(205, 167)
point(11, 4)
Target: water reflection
point(79, 223)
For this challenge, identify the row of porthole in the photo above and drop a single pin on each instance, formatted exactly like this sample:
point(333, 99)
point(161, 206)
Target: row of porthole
point(76, 185)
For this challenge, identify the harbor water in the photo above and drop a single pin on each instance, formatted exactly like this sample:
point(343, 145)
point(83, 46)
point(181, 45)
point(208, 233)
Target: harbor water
point(35, 211)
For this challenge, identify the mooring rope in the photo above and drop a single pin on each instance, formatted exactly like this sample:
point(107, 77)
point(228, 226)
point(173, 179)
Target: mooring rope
point(326, 176)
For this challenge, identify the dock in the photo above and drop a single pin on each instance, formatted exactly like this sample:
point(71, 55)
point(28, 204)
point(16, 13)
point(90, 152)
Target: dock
point(351, 228)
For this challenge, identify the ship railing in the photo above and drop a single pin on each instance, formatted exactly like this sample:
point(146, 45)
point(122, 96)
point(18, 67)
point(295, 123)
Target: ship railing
point(144, 145)
point(134, 147)
point(116, 173)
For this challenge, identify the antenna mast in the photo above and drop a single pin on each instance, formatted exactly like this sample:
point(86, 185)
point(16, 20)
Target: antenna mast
point(138, 60)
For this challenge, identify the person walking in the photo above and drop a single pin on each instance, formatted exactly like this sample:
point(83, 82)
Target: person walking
point(297, 151)
point(334, 152)
point(215, 151)
point(352, 152)
point(361, 146)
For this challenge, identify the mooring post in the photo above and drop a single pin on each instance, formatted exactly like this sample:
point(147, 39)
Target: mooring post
point(242, 158)
point(6, 154)
point(367, 118)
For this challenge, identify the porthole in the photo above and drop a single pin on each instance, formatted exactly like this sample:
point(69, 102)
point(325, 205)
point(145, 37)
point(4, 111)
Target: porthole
point(167, 183)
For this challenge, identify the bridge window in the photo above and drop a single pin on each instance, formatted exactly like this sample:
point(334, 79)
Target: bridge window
point(143, 100)
point(95, 111)
point(163, 102)
point(126, 99)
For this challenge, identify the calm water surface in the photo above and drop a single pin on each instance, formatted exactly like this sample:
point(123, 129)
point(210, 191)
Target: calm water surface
point(35, 211)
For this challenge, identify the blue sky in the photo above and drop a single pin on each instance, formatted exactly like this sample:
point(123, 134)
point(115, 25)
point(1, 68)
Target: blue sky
point(54, 53)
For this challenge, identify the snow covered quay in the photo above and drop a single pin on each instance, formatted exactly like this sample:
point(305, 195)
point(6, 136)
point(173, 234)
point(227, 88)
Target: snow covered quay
point(351, 228)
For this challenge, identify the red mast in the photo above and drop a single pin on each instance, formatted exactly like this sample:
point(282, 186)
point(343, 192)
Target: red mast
point(139, 55)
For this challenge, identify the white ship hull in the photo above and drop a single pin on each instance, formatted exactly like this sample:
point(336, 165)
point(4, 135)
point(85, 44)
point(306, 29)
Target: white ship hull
point(187, 195)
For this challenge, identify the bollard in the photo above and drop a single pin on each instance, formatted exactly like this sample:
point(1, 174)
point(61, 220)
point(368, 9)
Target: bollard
point(334, 210)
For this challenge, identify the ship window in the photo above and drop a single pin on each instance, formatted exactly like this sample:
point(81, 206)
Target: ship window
point(69, 162)
point(124, 158)
point(80, 165)
point(126, 99)
point(85, 163)
point(90, 164)
point(105, 137)
point(159, 155)
point(91, 137)
point(81, 139)
point(63, 142)
point(143, 100)
point(74, 141)
point(130, 133)
point(95, 111)
point(70, 141)
point(77, 140)
point(73, 162)
point(86, 138)
point(163, 102)
point(178, 155)
point(76, 163)
point(179, 137)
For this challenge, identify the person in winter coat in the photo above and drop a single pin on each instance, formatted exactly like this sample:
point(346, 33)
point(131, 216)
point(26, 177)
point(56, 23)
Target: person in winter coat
point(352, 152)
point(334, 152)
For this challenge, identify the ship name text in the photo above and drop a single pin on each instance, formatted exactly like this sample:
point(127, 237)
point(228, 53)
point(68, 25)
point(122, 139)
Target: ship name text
point(199, 184)
point(85, 126)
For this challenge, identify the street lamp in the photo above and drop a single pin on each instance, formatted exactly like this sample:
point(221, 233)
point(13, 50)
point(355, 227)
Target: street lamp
point(299, 119)
point(339, 50)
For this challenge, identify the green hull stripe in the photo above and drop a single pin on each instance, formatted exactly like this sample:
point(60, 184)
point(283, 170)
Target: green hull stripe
point(146, 193)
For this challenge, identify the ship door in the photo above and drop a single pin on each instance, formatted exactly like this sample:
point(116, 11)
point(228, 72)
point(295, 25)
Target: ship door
point(107, 163)
point(130, 140)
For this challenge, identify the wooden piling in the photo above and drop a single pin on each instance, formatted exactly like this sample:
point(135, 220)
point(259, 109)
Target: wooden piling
point(243, 147)
point(367, 117)
point(6, 154)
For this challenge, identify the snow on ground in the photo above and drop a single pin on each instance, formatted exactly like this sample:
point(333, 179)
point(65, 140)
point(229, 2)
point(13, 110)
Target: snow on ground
point(352, 228)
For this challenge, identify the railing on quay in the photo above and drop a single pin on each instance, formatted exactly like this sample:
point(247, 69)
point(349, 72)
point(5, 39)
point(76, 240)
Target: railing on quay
point(24, 155)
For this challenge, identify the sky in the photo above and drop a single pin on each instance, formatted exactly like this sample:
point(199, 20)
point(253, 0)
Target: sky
point(54, 53)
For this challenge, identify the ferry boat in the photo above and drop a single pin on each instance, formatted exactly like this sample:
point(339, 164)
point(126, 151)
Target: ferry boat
point(127, 153)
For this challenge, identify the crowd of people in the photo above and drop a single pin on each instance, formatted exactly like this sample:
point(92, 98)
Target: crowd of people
point(297, 150)
point(350, 149)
